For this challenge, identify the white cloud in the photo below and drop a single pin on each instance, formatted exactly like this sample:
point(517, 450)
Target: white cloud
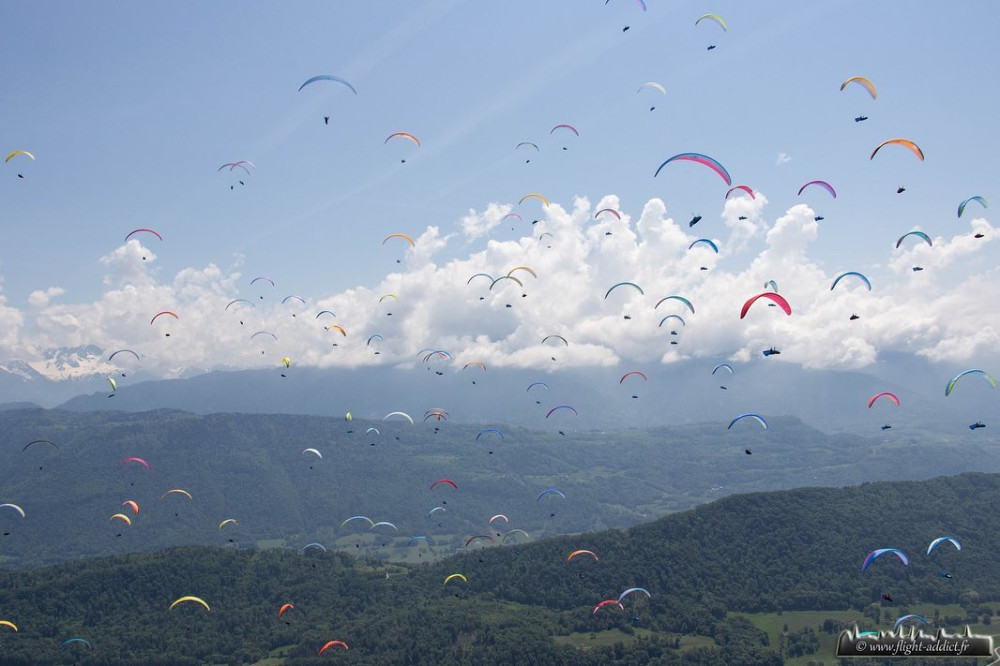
point(41, 298)
point(783, 158)
point(503, 323)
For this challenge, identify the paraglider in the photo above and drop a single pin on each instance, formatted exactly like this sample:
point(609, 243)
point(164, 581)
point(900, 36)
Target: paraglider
point(557, 407)
point(629, 374)
point(189, 599)
point(445, 481)
point(371, 523)
point(534, 195)
point(137, 231)
point(820, 183)
point(756, 417)
point(330, 644)
point(622, 284)
point(39, 441)
point(977, 425)
point(694, 220)
point(404, 135)
point(975, 371)
point(706, 241)
point(403, 236)
point(135, 460)
point(875, 554)
point(698, 158)
point(608, 602)
point(777, 298)
point(884, 394)
point(551, 491)
point(570, 557)
point(745, 188)
point(916, 233)
point(631, 590)
point(860, 119)
point(937, 542)
point(455, 576)
point(905, 618)
point(675, 297)
point(714, 17)
point(905, 143)
point(864, 83)
point(329, 77)
point(864, 280)
point(567, 127)
point(978, 199)
point(771, 352)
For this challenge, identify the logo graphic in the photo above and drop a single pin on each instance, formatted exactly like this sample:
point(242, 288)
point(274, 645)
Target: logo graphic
point(914, 643)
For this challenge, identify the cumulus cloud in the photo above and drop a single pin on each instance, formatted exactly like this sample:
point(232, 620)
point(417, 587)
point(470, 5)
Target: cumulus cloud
point(41, 298)
point(559, 287)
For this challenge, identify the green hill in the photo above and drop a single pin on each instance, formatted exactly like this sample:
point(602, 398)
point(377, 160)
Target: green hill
point(711, 572)
point(252, 468)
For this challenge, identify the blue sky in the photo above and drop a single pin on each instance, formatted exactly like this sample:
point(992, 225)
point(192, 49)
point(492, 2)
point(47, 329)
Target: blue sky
point(130, 109)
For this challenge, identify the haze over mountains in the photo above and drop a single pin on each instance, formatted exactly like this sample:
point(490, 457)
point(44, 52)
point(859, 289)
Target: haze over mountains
point(674, 394)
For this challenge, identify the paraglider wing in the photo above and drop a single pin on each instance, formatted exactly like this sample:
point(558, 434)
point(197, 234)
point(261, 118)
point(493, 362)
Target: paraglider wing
point(551, 491)
point(403, 236)
point(330, 644)
point(135, 460)
point(561, 407)
point(721, 366)
point(136, 231)
point(581, 552)
point(757, 417)
point(940, 540)
point(700, 159)
point(861, 277)
point(455, 576)
point(872, 556)
point(707, 242)
point(745, 188)
point(608, 602)
point(19, 152)
point(120, 351)
point(370, 522)
point(654, 85)
point(862, 81)
point(629, 374)
point(404, 135)
point(329, 77)
point(715, 17)
point(905, 143)
point(621, 284)
point(977, 198)
point(447, 481)
point(886, 394)
point(630, 590)
point(777, 298)
point(534, 195)
point(911, 616)
point(918, 234)
point(160, 314)
point(975, 371)
point(675, 298)
point(190, 599)
point(13, 506)
point(821, 183)
point(569, 127)
point(39, 441)
point(403, 414)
